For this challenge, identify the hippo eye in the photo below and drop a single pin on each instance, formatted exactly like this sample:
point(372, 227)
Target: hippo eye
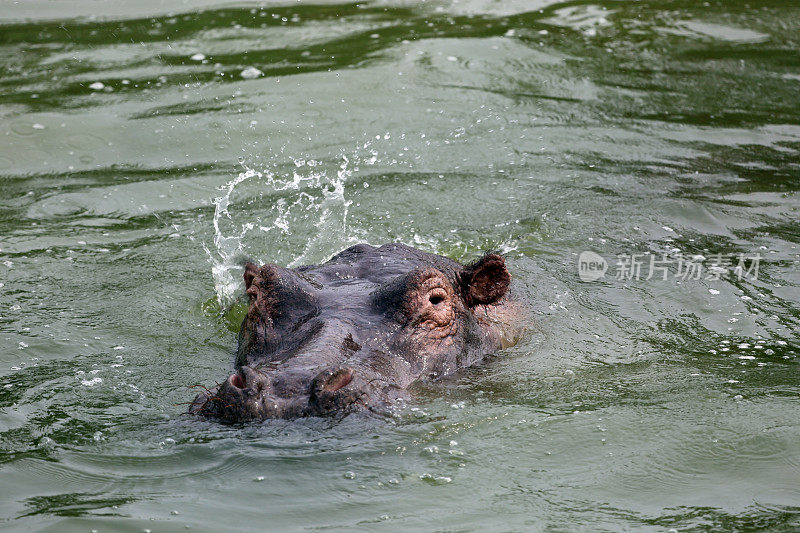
point(436, 299)
point(423, 297)
point(437, 296)
point(436, 309)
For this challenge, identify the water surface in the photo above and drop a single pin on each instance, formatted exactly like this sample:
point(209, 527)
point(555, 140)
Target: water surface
point(148, 146)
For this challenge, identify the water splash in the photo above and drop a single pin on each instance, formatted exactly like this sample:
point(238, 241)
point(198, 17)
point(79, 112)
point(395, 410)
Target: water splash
point(332, 222)
point(303, 208)
point(227, 247)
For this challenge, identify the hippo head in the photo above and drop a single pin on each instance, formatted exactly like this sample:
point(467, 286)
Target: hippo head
point(355, 332)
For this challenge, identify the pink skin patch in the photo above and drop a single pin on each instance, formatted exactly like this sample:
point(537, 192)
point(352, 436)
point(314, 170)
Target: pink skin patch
point(339, 380)
point(236, 381)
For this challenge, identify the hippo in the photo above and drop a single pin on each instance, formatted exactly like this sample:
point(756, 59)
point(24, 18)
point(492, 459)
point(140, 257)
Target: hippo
point(352, 334)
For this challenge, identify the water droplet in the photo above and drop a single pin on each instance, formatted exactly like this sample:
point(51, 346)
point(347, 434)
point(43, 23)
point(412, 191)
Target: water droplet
point(251, 73)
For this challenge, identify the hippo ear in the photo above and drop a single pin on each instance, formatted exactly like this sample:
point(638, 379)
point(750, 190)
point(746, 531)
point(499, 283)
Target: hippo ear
point(485, 281)
point(250, 273)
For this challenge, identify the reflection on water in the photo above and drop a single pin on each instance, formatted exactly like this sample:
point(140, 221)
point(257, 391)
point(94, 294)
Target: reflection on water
point(149, 149)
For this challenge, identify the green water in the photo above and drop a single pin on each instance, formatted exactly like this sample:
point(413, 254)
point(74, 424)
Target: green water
point(138, 165)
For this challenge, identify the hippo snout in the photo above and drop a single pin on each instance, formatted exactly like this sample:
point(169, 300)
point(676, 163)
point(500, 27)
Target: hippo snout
point(246, 395)
point(252, 395)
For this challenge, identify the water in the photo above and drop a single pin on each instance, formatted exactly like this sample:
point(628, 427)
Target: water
point(149, 146)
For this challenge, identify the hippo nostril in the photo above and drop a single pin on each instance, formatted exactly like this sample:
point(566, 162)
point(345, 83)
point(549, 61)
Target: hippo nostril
point(338, 380)
point(332, 391)
point(236, 381)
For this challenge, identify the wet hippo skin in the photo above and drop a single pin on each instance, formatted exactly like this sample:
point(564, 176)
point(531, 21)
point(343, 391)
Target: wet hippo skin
point(355, 332)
